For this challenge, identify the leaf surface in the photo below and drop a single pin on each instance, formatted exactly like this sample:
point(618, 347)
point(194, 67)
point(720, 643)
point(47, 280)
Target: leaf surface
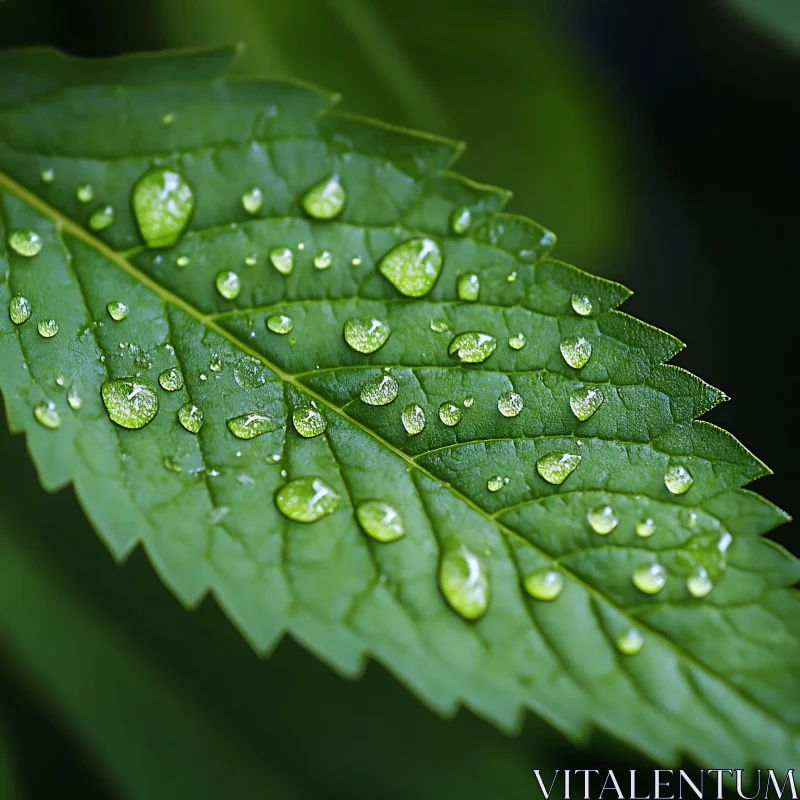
point(714, 675)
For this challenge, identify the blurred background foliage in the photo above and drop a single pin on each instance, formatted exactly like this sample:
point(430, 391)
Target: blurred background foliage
point(658, 140)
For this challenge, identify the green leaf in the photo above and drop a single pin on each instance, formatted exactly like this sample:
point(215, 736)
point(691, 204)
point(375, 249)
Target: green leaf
point(780, 19)
point(714, 676)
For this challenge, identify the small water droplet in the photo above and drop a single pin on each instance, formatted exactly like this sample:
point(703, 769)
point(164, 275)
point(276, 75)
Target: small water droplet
point(228, 284)
point(645, 528)
point(585, 401)
point(576, 351)
point(380, 521)
point(413, 418)
point(326, 199)
point(496, 483)
point(450, 414)
point(47, 415)
point(650, 578)
point(25, 242)
point(556, 467)
point(182, 261)
point(282, 259)
point(74, 399)
point(439, 326)
point(699, 583)
point(678, 479)
point(191, 417)
point(472, 347)
point(47, 328)
point(280, 323)
point(366, 334)
point(468, 287)
point(249, 373)
point(163, 202)
point(323, 260)
point(101, 218)
point(602, 519)
point(581, 304)
point(306, 499)
point(248, 426)
point(117, 310)
point(544, 584)
point(512, 277)
point(630, 642)
point(469, 401)
point(19, 309)
point(517, 341)
point(355, 261)
point(172, 464)
point(464, 582)
point(510, 404)
point(252, 200)
point(171, 380)
point(380, 391)
point(48, 175)
point(460, 221)
point(308, 421)
point(413, 266)
point(85, 193)
point(203, 376)
point(168, 118)
point(129, 404)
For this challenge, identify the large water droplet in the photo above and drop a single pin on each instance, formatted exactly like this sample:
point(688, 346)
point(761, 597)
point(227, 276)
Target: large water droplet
point(380, 521)
point(460, 221)
point(47, 328)
point(306, 499)
point(581, 304)
point(576, 351)
point(544, 584)
point(252, 200)
point(630, 642)
point(450, 414)
point(228, 284)
point(117, 310)
point(280, 323)
point(19, 309)
point(678, 479)
point(517, 341)
point(366, 334)
point(248, 426)
point(308, 421)
point(645, 528)
point(171, 380)
point(25, 242)
point(413, 266)
point(326, 199)
point(439, 326)
point(85, 193)
point(47, 415)
point(699, 583)
point(101, 218)
point(163, 202)
point(650, 578)
point(413, 418)
point(129, 404)
point(472, 347)
point(464, 582)
point(602, 519)
point(380, 391)
point(556, 467)
point(191, 417)
point(323, 260)
point(510, 404)
point(282, 259)
point(468, 287)
point(496, 483)
point(585, 401)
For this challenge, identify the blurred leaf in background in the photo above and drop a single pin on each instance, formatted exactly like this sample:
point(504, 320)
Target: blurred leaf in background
point(780, 19)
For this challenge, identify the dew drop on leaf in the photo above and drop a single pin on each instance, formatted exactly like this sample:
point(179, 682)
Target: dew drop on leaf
point(172, 464)
point(308, 421)
point(248, 426)
point(645, 528)
point(577, 351)
point(48, 175)
point(472, 347)
point(280, 323)
point(228, 284)
point(163, 202)
point(191, 417)
point(450, 414)
point(19, 309)
point(413, 418)
point(182, 261)
point(469, 401)
point(47, 328)
point(678, 479)
point(380, 521)
point(249, 373)
point(101, 218)
point(366, 334)
point(517, 341)
point(171, 380)
point(25, 242)
point(496, 483)
point(380, 391)
point(460, 221)
point(117, 310)
point(510, 404)
point(168, 118)
point(602, 519)
point(439, 326)
point(251, 260)
point(85, 193)
point(464, 582)
point(306, 499)
point(699, 583)
point(323, 260)
point(74, 400)
point(47, 415)
point(326, 199)
point(412, 267)
point(630, 642)
point(129, 404)
point(252, 200)
point(468, 287)
point(282, 259)
point(556, 467)
point(585, 401)
point(650, 578)
point(544, 584)
point(581, 304)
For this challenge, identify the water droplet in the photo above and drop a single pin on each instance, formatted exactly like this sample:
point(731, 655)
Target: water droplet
point(412, 267)
point(168, 118)
point(366, 334)
point(101, 218)
point(645, 528)
point(585, 401)
point(74, 399)
point(172, 464)
point(678, 479)
point(450, 414)
point(464, 582)
point(355, 261)
point(228, 284)
point(472, 347)
point(544, 584)
point(182, 261)
point(47, 415)
point(439, 326)
point(469, 401)
point(510, 404)
point(460, 221)
point(282, 259)
point(413, 418)
point(117, 310)
point(650, 578)
point(308, 422)
point(26, 242)
point(468, 287)
point(602, 519)
point(48, 175)
point(326, 199)
point(699, 583)
point(171, 380)
point(380, 391)
point(252, 200)
point(380, 521)
point(511, 278)
point(191, 417)
point(630, 642)
point(129, 404)
point(85, 193)
point(163, 201)
point(251, 260)
point(280, 323)
point(576, 351)
point(323, 260)
point(248, 426)
point(518, 341)
point(496, 483)
point(249, 373)
point(306, 499)
point(555, 468)
point(47, 328)
point(19, 309)
point(581, 304)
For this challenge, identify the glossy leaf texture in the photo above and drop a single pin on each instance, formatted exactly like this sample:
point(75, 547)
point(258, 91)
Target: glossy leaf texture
point(508, 500)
